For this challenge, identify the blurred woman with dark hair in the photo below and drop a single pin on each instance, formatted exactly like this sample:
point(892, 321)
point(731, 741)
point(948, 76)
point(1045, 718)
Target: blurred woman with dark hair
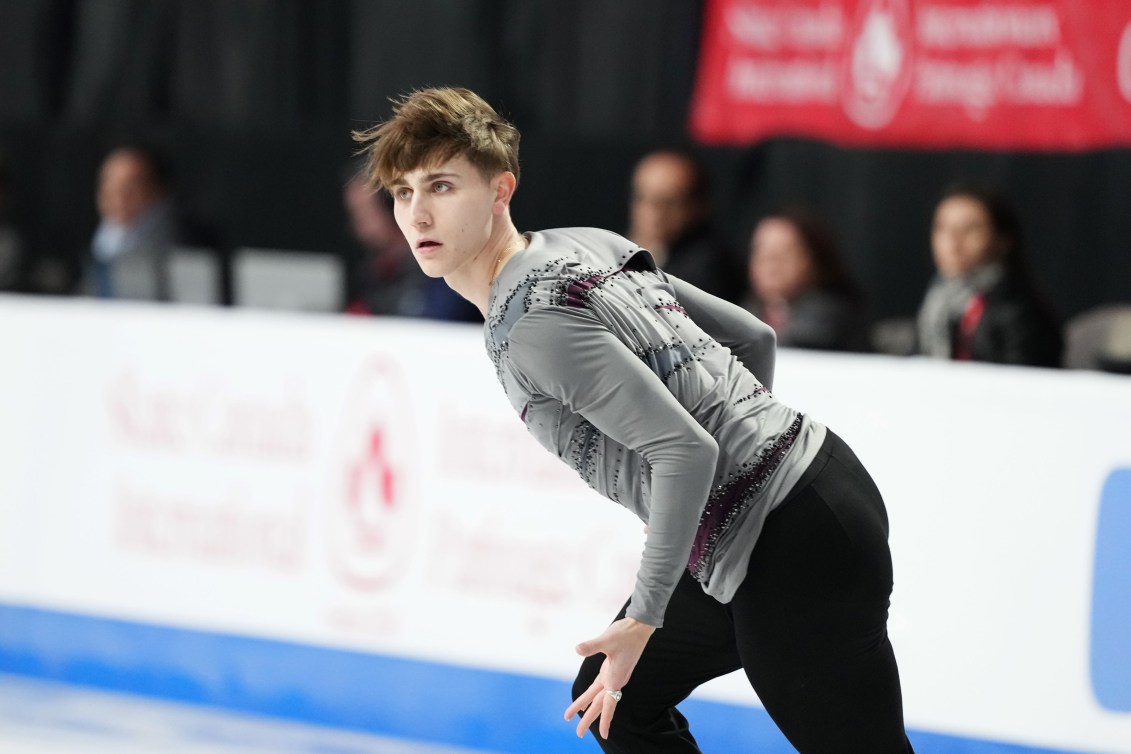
point(800, 286)
point(982, 304)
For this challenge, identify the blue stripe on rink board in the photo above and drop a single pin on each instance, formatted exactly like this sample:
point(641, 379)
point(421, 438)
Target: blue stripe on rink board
point(446, 704)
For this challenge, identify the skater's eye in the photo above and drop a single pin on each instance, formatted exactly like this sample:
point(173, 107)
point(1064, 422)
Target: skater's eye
point(441, 186)
point(403, 193)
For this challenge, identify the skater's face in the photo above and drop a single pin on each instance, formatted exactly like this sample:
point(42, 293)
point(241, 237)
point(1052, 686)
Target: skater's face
point(448, 212)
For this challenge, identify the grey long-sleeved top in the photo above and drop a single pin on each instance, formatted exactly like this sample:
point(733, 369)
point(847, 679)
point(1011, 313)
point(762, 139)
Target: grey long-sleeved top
point(657, 394)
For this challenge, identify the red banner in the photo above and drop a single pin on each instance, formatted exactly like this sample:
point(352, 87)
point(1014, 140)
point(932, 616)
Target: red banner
point(1052, 75)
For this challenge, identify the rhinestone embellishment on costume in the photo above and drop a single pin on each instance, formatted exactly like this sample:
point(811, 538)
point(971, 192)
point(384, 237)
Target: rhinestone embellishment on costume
point(727, 501)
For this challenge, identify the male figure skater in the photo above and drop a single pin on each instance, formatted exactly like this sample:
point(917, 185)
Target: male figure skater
point(767, 540)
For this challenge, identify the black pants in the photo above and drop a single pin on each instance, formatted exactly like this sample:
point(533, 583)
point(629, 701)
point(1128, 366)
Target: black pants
point(808, 626)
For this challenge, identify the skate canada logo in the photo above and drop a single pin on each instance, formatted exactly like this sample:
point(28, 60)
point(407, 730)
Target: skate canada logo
point(371, 519)
point(878, 66)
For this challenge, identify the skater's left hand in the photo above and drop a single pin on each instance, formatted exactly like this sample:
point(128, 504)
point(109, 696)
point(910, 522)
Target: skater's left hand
point(622, 643)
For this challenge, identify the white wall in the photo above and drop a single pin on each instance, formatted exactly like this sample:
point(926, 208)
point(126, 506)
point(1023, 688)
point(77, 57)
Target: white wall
point(362, 484)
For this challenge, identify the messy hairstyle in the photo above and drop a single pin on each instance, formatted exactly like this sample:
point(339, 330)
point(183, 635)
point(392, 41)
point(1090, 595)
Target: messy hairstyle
point(432, 126)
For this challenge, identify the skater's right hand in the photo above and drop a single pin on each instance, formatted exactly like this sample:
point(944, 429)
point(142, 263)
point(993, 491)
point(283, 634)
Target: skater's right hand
point(622, 643)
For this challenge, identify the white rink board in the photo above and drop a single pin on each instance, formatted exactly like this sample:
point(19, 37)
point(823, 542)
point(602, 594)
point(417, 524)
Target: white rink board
point(363, 484)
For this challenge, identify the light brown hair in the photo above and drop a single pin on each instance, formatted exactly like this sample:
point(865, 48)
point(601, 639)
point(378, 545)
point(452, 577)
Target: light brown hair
point(432, 126)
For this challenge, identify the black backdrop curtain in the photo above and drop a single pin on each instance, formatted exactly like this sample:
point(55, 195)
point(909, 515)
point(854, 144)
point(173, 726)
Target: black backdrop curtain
point(253, 101)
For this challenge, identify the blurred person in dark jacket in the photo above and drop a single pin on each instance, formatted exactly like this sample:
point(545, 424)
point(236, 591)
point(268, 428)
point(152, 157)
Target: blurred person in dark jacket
point(982, 304)
point(670, 217)
point(799, 284)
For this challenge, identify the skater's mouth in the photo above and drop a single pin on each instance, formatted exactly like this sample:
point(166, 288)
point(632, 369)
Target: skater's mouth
point(426, 243)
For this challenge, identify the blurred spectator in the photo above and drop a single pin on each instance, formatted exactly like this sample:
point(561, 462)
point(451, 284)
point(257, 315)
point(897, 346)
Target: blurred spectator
point(383, 277)
point(12, 249)
point(129, 254)
point(800, 287)
point(982, 304)
point(141, 226)
point(670, 217)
